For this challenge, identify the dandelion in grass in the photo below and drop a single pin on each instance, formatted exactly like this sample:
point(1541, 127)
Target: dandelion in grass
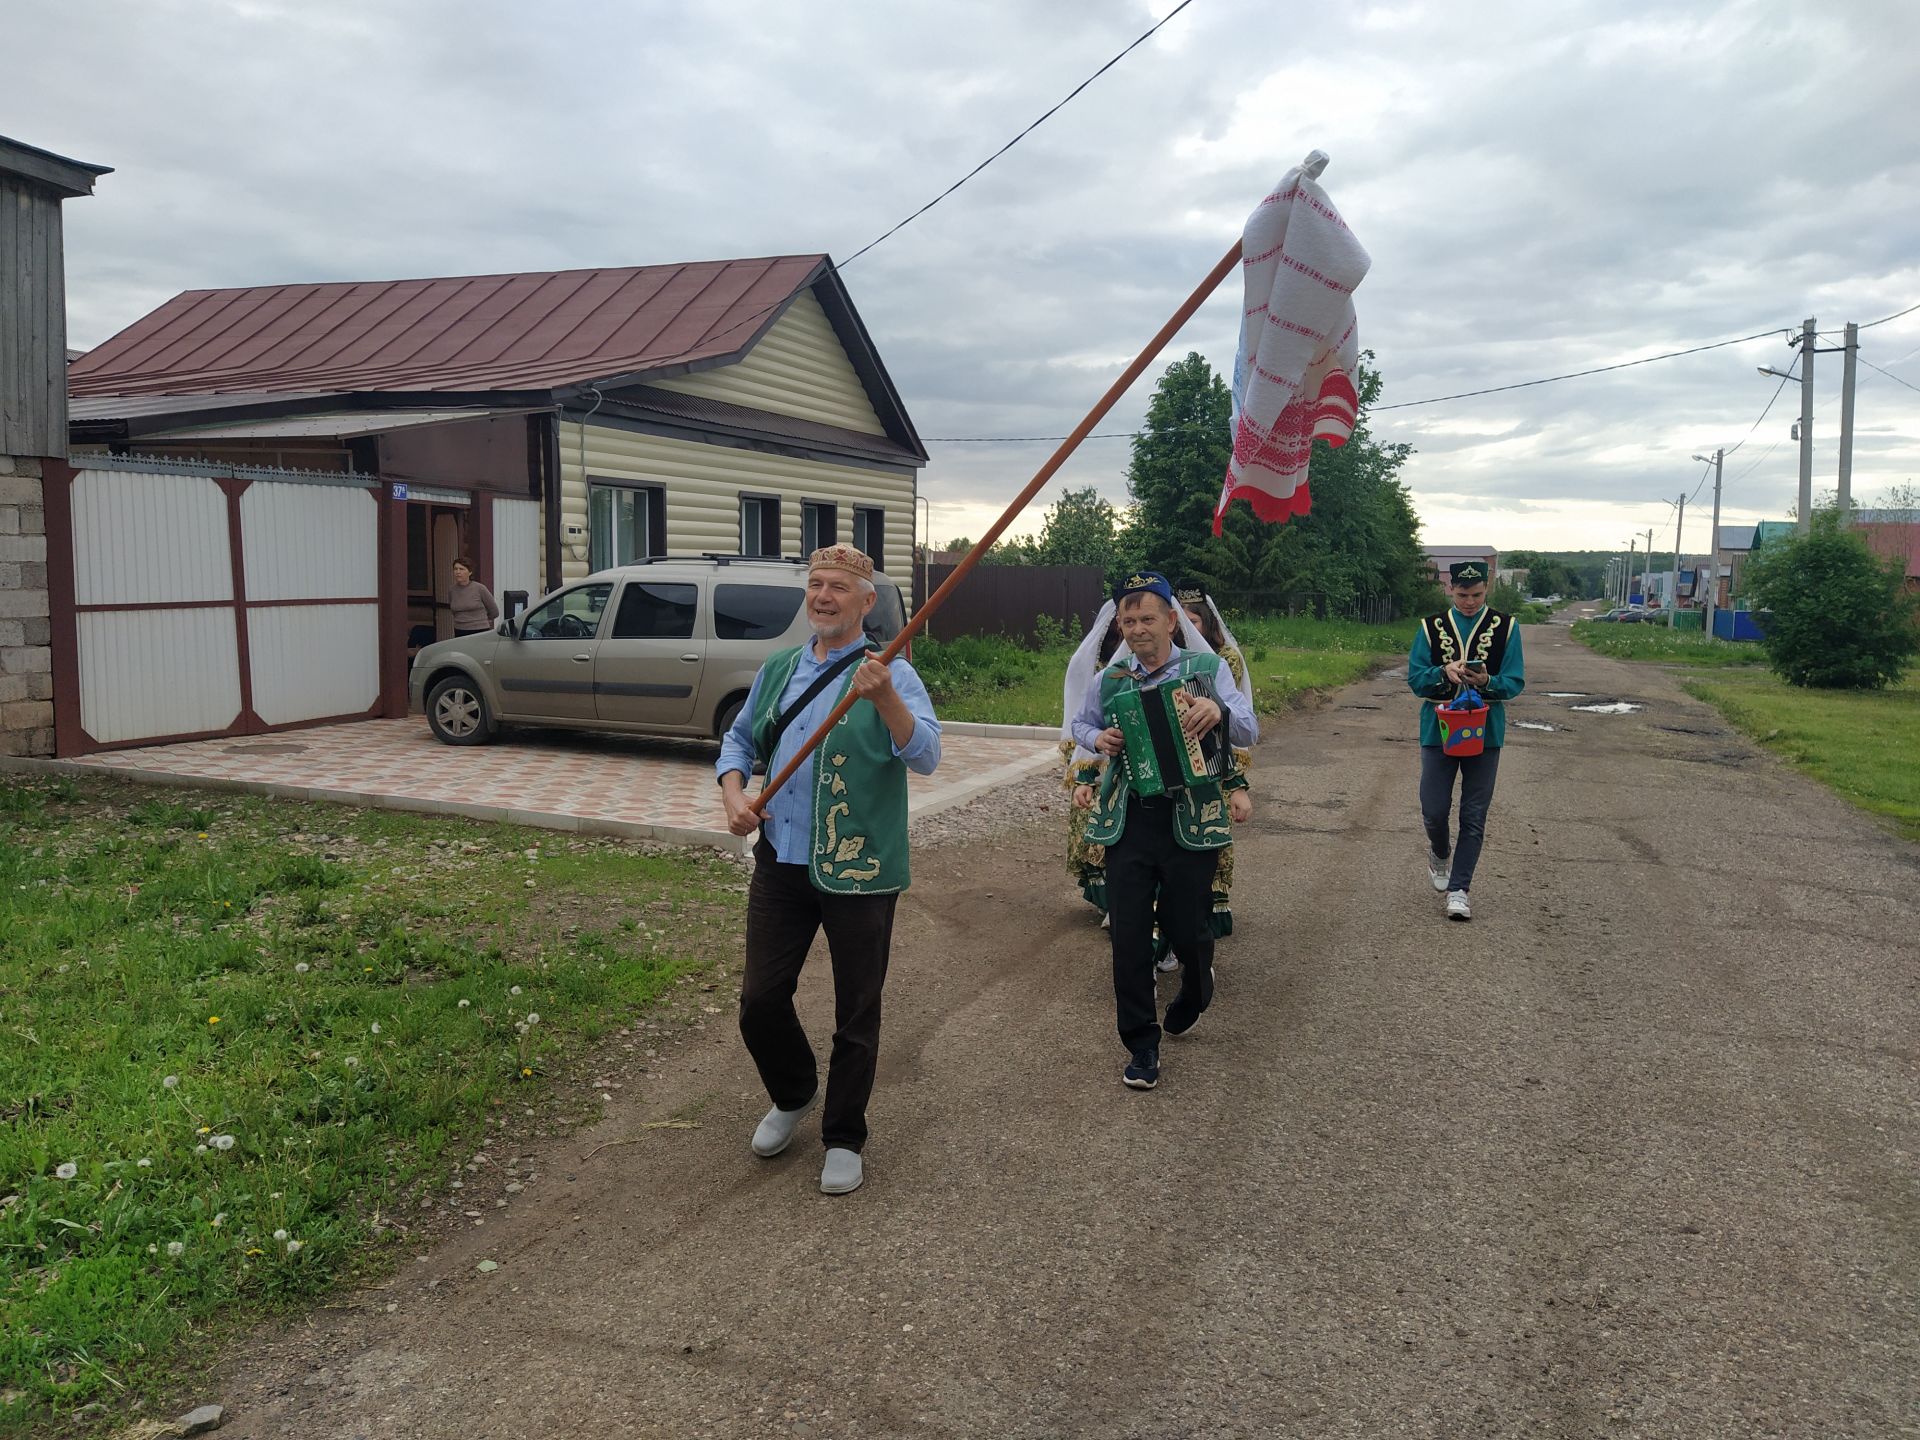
point(144, 1163)
point(176, 1248)
point(301, 968)
point(172, 1082)
point(465, 1003)
point(219, 1219)
point(525, 1071)
point(294, 1247)
point(67, 1171)
point(255, 1250)
point(375, 1027)
point(353, 1062)
point(204, 1130)
point(223, 1142)
point(213, 1019)
point(366, 969)
point(280, 1237)
point(533, 1017)
point(199, 1149)
point(514, 991)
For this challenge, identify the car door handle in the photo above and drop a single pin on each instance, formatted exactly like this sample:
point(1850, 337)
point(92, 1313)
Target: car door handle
point(691, 659)
point(582, 659)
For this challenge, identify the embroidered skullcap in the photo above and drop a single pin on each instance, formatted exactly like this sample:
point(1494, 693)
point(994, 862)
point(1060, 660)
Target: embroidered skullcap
point(1468, 572)
point(840, 557)
point(1143, 582)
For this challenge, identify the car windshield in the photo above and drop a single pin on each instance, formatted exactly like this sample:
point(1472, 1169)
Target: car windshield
point(888, 616)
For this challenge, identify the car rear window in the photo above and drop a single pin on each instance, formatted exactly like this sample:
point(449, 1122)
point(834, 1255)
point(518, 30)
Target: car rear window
point(754, 612)
point(888, 616)
point(655, 610)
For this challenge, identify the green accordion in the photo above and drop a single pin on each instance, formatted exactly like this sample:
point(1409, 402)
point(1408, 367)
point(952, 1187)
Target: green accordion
point(1160, 756)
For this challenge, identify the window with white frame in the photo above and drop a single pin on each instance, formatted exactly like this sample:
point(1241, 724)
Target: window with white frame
point(625, 523)
point(759, 525)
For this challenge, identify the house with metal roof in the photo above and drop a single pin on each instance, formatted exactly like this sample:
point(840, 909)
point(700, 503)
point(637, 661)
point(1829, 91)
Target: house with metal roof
point(546, 424)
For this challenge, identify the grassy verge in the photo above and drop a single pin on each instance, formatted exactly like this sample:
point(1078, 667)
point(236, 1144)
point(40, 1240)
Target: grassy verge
point(247, 1039)
point(1860, 744)
point(1657, 642)
point(999, 682)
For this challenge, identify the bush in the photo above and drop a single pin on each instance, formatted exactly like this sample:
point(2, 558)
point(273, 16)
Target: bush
point(1842, 618)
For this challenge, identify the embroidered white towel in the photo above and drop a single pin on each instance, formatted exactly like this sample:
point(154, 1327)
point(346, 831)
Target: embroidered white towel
point(1293, 374)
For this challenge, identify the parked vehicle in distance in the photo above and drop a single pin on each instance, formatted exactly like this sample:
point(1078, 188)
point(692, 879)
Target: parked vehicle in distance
point(662, 647)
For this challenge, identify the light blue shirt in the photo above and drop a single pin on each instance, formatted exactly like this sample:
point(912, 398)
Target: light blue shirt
point(1242, 728)
point(788, 821)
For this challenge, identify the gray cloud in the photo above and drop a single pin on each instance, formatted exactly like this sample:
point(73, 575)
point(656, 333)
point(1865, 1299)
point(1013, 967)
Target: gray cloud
point(1543, 188)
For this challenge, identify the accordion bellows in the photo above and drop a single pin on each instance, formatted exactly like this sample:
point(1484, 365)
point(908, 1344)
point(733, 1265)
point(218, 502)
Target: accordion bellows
point(1160, 756)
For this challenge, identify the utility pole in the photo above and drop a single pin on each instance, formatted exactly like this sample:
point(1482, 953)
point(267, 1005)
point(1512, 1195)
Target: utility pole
point(1850, 346)
point(1626, 580)
point(1673, 582)
point(1807, 347)
point(1713, 547)
point(1646, 567)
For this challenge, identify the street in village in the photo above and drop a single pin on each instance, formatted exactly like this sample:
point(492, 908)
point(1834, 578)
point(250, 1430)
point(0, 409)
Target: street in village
point(1631, 1154)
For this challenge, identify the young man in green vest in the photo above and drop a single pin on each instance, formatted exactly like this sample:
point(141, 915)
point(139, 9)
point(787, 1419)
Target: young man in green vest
point(1468, 645)
point(832, 853)
point(1163, 833)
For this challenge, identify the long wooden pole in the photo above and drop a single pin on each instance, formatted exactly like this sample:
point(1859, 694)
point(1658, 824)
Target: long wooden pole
point(1020, 502)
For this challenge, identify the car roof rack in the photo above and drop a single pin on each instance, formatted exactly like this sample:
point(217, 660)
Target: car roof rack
point(714, 555)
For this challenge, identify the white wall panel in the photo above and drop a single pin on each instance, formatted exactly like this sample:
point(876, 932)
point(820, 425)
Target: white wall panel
point(146, 673)
point(309, 542)
point(704, 482)
point(313, 661)
point(798, 368)
point(516, 548)
point(140, 538)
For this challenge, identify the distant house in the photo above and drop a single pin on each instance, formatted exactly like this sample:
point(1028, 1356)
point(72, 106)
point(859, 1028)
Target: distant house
point(733, 406)
point(1441, 557)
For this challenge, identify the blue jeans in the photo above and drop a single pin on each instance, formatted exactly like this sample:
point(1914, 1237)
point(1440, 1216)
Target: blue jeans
point(1477, 773)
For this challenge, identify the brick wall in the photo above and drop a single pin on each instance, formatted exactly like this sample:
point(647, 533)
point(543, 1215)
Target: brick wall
point(26, 661)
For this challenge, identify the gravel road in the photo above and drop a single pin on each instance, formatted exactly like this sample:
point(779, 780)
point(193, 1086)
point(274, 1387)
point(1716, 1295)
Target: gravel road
point(1633, 1154)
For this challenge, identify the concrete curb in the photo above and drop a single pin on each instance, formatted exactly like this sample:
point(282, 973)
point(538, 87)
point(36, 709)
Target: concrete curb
point(999, 732)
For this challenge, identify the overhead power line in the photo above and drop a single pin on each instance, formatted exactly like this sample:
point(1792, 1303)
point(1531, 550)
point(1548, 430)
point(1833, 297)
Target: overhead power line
point(1889, 374)
point(839, 268)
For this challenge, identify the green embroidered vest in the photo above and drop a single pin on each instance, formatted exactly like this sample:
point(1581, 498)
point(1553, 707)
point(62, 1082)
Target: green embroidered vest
point(1485, 642)
point(1200, 820)
point(859, 791)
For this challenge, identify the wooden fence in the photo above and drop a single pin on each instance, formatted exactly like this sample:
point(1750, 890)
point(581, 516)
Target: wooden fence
point(1007, 599)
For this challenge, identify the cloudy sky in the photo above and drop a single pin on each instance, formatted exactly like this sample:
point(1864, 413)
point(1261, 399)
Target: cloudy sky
point(1543, 188)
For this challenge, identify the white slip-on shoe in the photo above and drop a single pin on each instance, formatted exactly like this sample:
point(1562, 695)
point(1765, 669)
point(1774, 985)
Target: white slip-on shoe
point(1457, 907)
point(775, 1133)
point(1439, 871)
point(842, 1172)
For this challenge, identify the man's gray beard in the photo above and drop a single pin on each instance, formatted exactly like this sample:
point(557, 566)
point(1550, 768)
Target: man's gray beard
point(837, 636)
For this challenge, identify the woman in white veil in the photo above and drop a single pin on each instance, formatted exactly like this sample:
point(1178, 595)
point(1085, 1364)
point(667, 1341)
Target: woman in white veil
point(1101, 647)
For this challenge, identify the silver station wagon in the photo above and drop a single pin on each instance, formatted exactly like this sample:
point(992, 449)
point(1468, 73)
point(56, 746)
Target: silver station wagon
point(663, 647)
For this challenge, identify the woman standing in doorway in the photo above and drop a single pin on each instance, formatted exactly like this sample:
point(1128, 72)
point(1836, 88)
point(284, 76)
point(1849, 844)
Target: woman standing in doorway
point(474, 609)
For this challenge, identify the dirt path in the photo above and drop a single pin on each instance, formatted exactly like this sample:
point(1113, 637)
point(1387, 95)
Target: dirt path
point(1632, 1154)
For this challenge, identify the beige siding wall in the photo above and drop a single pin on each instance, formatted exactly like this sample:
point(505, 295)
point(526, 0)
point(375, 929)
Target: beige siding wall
point(799, 368)
point(703, 486)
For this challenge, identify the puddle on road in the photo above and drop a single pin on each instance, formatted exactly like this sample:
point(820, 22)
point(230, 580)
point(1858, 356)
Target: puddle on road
point(1609, 707)
point(1566, 694)
point(1533, 725)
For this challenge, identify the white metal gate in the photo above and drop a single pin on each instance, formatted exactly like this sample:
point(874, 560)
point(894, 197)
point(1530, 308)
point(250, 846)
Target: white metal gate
point(206, 601)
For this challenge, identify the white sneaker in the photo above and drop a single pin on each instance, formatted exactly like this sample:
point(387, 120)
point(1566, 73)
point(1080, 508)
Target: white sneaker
point(775, 1133)
point(842, 1172)
point(1439, 871)
point(1457, 907)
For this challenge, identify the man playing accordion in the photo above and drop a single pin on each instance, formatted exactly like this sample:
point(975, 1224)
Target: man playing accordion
point(1161, 807)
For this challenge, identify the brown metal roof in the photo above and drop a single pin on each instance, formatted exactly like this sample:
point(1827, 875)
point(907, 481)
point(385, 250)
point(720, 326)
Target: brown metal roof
point(476, 333)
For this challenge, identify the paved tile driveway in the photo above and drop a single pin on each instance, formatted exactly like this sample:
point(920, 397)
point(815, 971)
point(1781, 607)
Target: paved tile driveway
point(563, 780)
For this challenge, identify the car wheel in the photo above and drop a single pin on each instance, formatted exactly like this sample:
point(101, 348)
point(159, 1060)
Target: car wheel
point(457, 712)
point(729, 713)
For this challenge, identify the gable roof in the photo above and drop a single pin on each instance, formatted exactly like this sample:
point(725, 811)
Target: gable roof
point(554, 334)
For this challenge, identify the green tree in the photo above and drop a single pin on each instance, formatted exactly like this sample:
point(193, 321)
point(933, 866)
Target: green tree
point(1080, 528)
point(1842, 617)
point(1179, 460)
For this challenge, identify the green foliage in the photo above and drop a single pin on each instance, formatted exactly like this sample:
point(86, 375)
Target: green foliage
point(341, 999)
point(1080, 528)
point(1360, 539)
point(1506, 596)
point(1841, 616)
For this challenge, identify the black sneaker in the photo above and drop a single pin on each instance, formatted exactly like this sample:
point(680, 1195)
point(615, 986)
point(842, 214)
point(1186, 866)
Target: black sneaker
point(1143, 1071)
